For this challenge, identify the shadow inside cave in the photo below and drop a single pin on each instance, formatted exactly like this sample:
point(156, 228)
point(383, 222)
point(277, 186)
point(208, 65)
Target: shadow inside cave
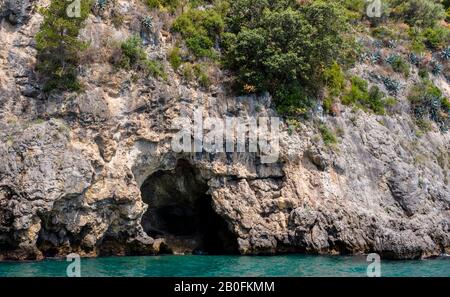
point(181, 212)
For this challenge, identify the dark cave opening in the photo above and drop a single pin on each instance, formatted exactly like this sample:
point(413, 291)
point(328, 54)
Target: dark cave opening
point(181, 212)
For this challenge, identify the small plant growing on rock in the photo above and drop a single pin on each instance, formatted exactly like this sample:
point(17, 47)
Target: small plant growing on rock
point(391, 43)
point(445, 54)
point(414, 59)
point(328, 136)
point(427, 103)
point(376, 102)
point(375, 57)
point(398, 64)
point(175, 59)
point(361, 96)
point(101, 4)
point(392, 85)
point(133, 56)
point(116, 18)
point(147, 23)
point(377, 43)
point(436, 68)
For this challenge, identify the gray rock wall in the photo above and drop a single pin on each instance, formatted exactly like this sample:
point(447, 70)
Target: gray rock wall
point(72, 165)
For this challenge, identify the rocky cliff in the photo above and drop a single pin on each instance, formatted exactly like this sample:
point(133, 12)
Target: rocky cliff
point(94, 172)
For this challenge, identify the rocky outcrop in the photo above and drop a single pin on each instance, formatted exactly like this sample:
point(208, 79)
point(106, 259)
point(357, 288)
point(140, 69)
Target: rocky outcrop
point(17, 12)
point(74, 165)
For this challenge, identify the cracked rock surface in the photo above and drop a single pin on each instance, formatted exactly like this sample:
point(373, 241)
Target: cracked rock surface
point(73, 165)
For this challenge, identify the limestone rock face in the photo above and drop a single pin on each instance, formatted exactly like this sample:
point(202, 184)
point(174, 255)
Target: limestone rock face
point(74, 166)
point(16, 11)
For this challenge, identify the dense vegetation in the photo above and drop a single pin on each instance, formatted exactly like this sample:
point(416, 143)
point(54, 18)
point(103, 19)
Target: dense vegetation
point(283, 47)
point(278, 46)
point(298, 51)
point(58, 47)
point(428, 103)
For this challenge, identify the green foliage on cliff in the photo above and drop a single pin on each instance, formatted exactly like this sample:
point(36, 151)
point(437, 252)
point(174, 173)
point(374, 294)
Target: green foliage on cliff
point(399, 65)
point(282, 47)
point(200, 28)
point(58, 46)
point(328, 136)
point(429, 104)
point(174, 57)
point(361, 96)
point(133, 56)
point(297, 49)
point(171, 5)
point(422, 13)
point(334, 82)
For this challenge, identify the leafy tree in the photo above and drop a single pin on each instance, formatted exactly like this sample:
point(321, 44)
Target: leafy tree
point(58, 46)
point(281, 46)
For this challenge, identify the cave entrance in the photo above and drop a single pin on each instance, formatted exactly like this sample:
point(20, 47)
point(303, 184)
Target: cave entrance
point(181, 212)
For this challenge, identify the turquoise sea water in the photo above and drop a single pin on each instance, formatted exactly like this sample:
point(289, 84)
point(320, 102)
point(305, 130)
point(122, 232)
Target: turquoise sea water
point(218, 266)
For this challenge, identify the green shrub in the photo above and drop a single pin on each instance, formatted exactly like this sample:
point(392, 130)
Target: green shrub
point(200, 45)
point(423, 73)
point(355, 9)
point(200, 28)
point(383, 33)
point(334, 79)
point(196, 72)
point(358, 92)
point(278, 46)
point(328, 135)
point(422, 13)
point(201, 75)
point(328, 103)
point(175, 58)
point(417, 40)
point(293, 100)
point(133, 56)
point(436, 37)
point(446, 104)
point(399, 65)
point(424, 125)
point(360, 96)
point(154, 69)
point(188, 71)
point(171, 5)
point(376, 100)
point(390, 102)
point(58, 49)
point(427, 103)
